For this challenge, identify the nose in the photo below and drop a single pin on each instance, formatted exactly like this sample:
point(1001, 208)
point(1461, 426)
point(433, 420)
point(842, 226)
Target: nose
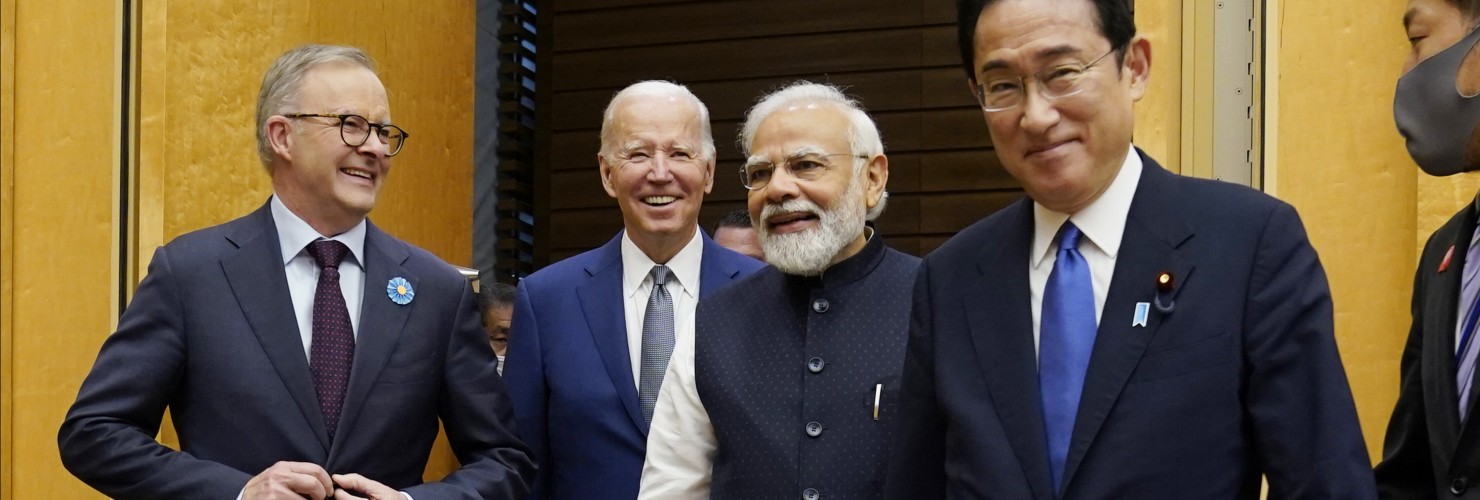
point(661, 170)
point(1039, 113)
point(375, 146)
point(782, 186)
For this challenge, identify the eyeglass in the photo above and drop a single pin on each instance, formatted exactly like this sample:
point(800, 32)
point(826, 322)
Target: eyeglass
point(1007, 92)
point(354, 130)
point(756, 174)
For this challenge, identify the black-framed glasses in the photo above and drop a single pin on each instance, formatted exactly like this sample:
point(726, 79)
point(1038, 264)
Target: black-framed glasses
point(355, 130)
point(1001, 93)
point(756, 174)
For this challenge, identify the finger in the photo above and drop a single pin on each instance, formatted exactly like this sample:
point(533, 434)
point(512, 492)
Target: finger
point(307, 485)
point(314, 471)
point(346, 495)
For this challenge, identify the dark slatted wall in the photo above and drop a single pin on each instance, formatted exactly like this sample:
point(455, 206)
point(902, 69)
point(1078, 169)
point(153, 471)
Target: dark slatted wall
point(898, 57)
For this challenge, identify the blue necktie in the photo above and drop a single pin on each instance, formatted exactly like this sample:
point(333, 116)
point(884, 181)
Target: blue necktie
point(1066, 337)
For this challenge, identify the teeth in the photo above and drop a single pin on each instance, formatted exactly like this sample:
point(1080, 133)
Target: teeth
point(660, 200)
point(356, 173)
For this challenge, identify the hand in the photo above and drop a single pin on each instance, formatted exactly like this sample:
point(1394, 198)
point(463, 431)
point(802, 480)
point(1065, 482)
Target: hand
point(290, 480)
point(364, 486)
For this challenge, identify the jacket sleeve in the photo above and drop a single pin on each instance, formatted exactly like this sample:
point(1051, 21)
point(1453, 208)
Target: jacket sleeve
point(524, 373)
point(1406, 470)
point(1296, 393)
point(107, 439)
point(917, 464)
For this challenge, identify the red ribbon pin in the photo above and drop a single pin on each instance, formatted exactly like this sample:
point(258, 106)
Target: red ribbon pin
point(1444, 266)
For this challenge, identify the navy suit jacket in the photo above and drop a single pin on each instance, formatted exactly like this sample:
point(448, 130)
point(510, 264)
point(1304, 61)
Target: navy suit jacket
point(570, 372)
point(1428, 451)
point(1241, 378)
point(211, 334)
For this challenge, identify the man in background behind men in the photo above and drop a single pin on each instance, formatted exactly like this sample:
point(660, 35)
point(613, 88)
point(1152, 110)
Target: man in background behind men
point(496, 302)
point(735, 232)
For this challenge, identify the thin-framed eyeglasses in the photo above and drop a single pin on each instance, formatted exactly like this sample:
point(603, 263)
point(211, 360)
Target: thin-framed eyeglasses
point(756, 174)
point(1001, 93)
point(354, 130)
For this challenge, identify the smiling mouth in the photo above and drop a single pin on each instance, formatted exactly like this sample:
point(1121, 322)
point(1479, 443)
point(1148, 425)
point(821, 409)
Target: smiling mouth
point(358, 173)
point(1046, 148)
point(659, 201)
point(791, 218)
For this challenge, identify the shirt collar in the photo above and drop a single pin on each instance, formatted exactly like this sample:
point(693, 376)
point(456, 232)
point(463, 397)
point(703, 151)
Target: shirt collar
point(1102, 222)
point(294, 234)
point(685, 266)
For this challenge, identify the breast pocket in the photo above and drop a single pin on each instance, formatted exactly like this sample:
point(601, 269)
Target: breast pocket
point(881, 400)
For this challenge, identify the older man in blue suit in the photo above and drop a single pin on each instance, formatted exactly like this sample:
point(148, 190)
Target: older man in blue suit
point(300, 350)
point(1124, 332)
point(592, 335)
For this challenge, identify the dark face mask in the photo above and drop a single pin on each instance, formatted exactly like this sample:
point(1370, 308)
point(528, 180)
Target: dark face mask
point(1433, 117)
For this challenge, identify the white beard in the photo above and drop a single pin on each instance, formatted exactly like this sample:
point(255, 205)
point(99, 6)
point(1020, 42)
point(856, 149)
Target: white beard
point(811, 251)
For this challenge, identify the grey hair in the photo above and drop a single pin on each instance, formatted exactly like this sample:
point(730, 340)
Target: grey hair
point(654, 88)
point(863, 134)
point(284, 80)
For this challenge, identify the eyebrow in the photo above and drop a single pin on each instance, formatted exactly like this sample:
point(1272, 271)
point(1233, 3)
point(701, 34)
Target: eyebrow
point(1042, 55)
point(1408, 17)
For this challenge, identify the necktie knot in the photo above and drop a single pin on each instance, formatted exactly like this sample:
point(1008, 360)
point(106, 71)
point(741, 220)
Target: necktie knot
point(328, 253)
point(1069, 237)
point(660, 275)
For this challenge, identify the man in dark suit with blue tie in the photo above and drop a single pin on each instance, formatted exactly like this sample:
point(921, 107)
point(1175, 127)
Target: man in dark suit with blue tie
point(592, 335)
point(1124, 332)
point(300, 349)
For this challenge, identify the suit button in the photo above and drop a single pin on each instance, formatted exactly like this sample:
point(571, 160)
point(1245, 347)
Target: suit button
point(811, 494)
point(815, 365)
point(814, 429)
point(820, 305)
point(1459, 485)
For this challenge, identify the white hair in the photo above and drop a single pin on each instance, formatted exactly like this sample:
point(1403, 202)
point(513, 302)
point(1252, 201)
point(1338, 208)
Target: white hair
point(863, 134)
point(654, 88)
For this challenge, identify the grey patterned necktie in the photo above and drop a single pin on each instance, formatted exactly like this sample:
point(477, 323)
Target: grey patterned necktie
point(657, 342)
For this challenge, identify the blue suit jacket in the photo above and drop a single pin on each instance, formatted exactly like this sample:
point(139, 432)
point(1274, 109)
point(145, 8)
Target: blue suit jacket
point(211, 334)
point(570, 372)
point(1241, 378)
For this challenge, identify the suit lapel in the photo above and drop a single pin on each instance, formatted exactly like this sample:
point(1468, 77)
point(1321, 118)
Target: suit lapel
point(381, 321)
point(999, 314)
point(1153, 231)
point(602, 302)
point(255, 273)
point(714, 272)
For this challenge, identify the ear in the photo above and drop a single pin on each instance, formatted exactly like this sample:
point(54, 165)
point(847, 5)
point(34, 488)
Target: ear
point(606, 175)
point(279, 137)
point(1138, 66)
point(708, 175)
point(877, 177)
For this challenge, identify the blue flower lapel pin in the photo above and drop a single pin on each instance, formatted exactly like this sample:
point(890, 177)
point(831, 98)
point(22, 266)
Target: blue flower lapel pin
point(400, 291)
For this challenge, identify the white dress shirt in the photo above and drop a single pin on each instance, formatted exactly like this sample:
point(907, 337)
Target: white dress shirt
point(294, 235)
point(683, 288)
point(681, 442)
point(1102, 224)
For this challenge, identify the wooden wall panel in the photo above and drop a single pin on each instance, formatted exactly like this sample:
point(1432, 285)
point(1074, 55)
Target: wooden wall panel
point(60, 65)
point(204, 65)
point(1353, 184)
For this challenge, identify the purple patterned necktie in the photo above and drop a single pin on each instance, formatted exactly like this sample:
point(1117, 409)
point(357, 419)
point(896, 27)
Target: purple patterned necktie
point(333, 349)
point(1465, 352)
